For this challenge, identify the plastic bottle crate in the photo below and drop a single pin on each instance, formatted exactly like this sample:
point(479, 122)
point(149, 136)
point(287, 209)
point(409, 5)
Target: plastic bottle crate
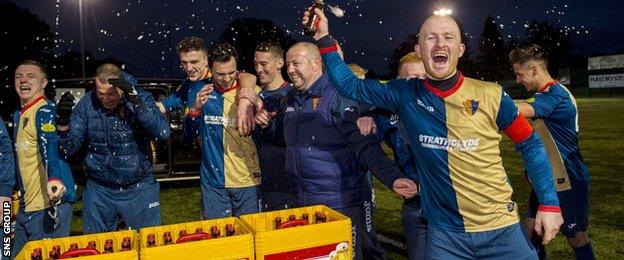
point(82, 242)
point(234, 246)
point(291, 238)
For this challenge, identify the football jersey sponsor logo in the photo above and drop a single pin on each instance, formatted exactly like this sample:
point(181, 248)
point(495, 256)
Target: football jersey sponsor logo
point(428, 108)
point(219, 120)
point(290, 109)
point(449, 144)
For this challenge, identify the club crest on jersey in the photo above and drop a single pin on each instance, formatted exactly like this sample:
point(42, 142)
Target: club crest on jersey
point(471, 106)
point(315, 103)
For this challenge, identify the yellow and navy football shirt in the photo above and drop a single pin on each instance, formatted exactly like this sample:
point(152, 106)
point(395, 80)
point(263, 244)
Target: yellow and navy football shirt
point(456, 135)
point(229, 160)
point(556, 121)
point(36, 150)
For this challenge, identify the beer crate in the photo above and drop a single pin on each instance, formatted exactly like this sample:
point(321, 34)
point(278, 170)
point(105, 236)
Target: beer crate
point(315, 232)
point(95, 246)
point(232, 241)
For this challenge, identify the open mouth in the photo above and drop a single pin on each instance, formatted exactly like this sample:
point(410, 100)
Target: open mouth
point(440, 58)
point(24, 87)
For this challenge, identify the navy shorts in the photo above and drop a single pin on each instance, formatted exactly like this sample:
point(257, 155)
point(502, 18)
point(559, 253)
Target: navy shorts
point(227, 202)
point(574, 205)
point(138, 205)
point(504, 243)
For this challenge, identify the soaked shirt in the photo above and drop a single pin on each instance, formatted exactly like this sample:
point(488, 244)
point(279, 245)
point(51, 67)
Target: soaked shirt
point(228, 159)
point(117, 153)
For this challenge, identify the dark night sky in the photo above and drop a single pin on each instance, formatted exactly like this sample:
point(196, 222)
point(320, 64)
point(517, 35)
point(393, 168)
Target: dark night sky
point(142, 32)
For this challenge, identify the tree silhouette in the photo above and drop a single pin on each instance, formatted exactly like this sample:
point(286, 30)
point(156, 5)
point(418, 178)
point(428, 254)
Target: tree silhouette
point(404, 48)
point(556, 42)
point(491, 61)
point(29, 39)
point(246, 33)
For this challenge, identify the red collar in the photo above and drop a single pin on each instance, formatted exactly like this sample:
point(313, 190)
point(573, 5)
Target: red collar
point(545, 87)
point(448, 92)
point(32, 103)
point(223, 90)
point(281, 86)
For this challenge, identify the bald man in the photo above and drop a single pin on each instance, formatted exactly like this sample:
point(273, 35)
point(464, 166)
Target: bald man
point(454, 124)
point(326, 156)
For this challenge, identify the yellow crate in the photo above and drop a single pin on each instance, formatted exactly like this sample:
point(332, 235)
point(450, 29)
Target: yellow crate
point(82, 241)
point(327, 240)
point(237, 246)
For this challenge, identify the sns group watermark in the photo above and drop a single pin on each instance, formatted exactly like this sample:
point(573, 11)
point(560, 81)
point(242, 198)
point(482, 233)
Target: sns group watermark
point(6, 228)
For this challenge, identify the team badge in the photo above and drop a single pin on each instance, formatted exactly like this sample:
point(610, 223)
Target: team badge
point(511, 206)
point(471, 106)
point(315, 103)
point(48, 128)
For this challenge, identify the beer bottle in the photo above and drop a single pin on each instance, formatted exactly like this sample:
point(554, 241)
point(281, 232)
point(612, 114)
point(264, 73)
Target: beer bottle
point(151, 240)
point(55, 252)
point(168, 238)
point(125, 244)
point(36, 254)
point(91, 245)
point(215, 232)
point(278, 222)
point(310, 27)
point(229, 230)
point(73, 246)
point(108, 246)
point(319, 217)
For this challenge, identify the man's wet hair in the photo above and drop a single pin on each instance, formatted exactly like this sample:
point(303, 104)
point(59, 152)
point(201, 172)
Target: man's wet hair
point(37, 64)
point(532, 52)
point(222, 52)
point(271, 47)
point(107, 71)
point(189, 44)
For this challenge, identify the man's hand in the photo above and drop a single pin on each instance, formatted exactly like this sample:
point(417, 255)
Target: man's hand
point(366, 124)
point(58, 191)
point(128, 89)
point(245, 117)
point(202, 96)
point(64, 109)
point(405, 187)
point(322, 28)
point(263, 118)
point(547, 225)
point(252, 96)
